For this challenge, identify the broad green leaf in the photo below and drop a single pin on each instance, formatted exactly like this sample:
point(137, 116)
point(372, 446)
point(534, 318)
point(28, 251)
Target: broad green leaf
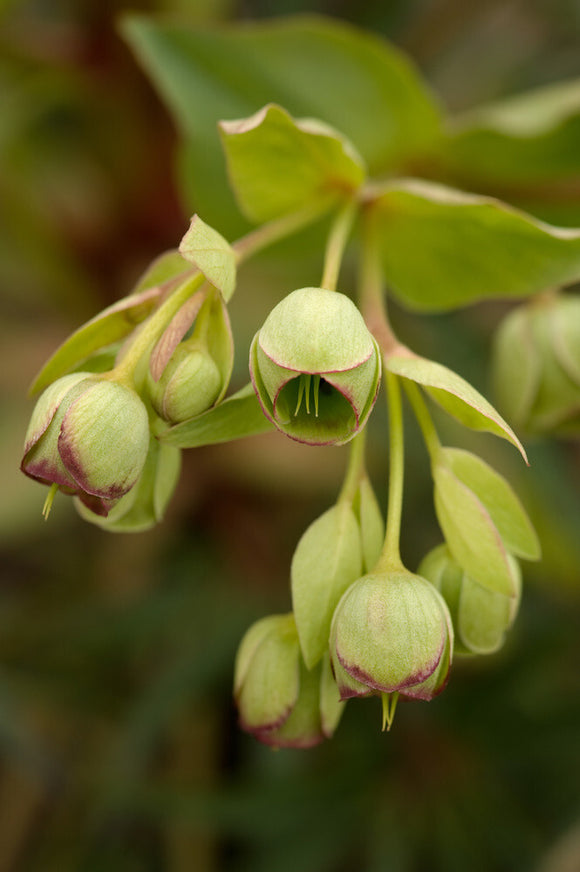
point(470, 533)
point(313, 66)
point(443, 249)
point(372, 526)
point(278, 165)
point(530, 138)
point(454, 394)
point(327, 560)
point(211, 254)
point(109, 326)
point(238, 416)
point(505, 509)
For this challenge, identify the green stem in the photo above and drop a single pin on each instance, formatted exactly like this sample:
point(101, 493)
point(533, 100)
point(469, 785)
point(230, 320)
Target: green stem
point(371, 290)
point(276, 230)
point(337, 239)
point(424, 419)
point(390, 558)
point(355, 470)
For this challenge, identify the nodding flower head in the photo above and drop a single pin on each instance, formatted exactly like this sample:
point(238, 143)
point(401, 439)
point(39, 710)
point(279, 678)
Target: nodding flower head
point(88, 436)
point(316, 367)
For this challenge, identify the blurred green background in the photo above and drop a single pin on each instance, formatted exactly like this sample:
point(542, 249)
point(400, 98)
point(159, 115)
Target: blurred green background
point(119, 748)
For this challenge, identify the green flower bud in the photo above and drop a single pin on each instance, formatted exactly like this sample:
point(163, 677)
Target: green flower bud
point(316, 367)
point(391, 633)
point(145, 504)
point(280, 702)
point(189, 385)
point(536, 364)
point(481, 617)
point(90, 437)
point(187, 377)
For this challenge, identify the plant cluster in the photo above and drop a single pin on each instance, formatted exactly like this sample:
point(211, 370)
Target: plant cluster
point(149, 376)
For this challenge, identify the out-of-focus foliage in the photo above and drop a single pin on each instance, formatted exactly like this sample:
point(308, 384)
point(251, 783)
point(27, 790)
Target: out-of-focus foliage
point(118, 743)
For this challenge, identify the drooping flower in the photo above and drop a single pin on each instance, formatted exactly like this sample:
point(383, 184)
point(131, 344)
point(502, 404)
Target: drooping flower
point(481, 617)
point(280, 701)
point(88, 436)
point(316, 367)
point(391, 633)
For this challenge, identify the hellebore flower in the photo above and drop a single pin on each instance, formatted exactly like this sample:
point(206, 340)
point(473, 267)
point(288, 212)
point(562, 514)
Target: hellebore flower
point(280, 701)
point(391, 633)
point(536, 360)
point(145, 504)
point(88, 436)
point(316, 367)
point(481, 617)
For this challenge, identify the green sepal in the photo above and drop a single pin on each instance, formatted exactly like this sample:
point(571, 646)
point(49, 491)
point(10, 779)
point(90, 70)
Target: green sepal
point(443, 249)
point(327, 560)
point(211, 254)
point(238, 416)
point(505, 509)
point(470, 533)
point(454, 394)
point(279, 165)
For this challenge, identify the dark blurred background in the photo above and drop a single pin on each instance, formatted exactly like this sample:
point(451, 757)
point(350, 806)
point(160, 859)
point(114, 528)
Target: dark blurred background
point(119, 748)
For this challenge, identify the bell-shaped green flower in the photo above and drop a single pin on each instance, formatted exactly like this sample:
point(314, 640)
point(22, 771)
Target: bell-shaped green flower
point(481, 617)
point(89, 436)
point(280, 701)
point(145, 504)
point(536, 361)
point(391, 633)
point(316, 367)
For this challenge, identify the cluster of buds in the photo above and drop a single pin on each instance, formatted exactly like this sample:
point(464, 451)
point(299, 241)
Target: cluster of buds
point(149, 377)
point(93, 434)
point(537, 365)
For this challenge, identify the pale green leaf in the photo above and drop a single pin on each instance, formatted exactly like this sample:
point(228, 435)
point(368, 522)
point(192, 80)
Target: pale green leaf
point(211, 254)
point(470, 533)
point(327, 560)
point(278, 165)
point(442, 248)
point(494, 492)
point(106, 328)
point(454, 394)
point(313, 66)
point(238, 416)
point(529, 138)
